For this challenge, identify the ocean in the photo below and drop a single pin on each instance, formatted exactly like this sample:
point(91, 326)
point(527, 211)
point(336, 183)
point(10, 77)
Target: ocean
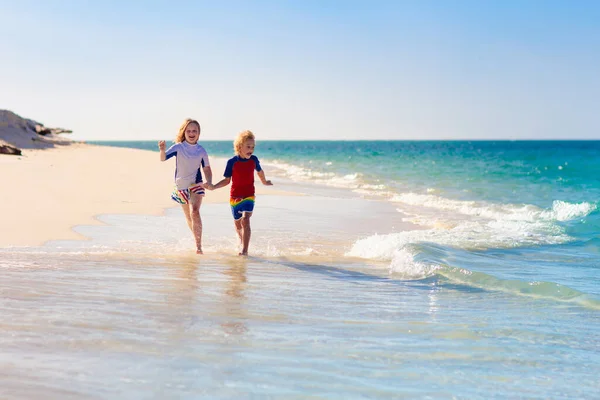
point(396, 269)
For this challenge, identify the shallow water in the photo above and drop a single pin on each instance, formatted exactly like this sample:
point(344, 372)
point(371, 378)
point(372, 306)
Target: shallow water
point(122, 316)
point(234, 328)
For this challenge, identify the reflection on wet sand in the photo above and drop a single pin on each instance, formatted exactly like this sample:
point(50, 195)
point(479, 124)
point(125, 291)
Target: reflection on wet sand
point(186, 284)
point(179, 313)
point(234, 306)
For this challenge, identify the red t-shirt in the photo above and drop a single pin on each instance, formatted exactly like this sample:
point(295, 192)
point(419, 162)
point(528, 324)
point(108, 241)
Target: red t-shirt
point(241, 172)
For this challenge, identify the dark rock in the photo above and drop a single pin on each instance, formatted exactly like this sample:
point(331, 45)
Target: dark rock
point(6, 148)
point(42, 130)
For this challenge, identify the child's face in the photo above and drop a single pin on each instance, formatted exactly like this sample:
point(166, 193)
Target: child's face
point(247, 148)
point(192, 133)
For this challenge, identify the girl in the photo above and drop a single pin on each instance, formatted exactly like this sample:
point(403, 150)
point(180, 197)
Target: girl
point(189, 157)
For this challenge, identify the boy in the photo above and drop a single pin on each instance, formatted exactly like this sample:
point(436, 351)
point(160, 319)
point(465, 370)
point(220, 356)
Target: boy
point(240, 172)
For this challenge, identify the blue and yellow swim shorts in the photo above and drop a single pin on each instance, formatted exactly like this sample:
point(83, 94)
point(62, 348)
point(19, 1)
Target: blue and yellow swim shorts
point(241, 206)
point(183, 196)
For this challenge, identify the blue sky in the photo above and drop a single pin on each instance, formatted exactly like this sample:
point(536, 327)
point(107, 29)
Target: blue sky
point(340, 70)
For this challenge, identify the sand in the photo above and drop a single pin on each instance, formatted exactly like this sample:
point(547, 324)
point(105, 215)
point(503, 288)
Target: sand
point(48, 192)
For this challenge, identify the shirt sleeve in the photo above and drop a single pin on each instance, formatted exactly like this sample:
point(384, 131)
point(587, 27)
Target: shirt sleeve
point(229, 168)
point(172, 151)
point(257, 163)
point(205, 163)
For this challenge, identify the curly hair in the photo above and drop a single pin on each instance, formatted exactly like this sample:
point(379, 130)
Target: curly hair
point(181, 134)
point(240, 139)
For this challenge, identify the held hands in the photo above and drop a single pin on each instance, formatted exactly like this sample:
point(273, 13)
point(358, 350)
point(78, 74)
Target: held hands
point(162, 145)
point(210, 186)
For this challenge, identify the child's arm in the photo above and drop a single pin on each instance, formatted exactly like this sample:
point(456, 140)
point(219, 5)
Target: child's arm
point(208, 174)
point(261, 175)
point(162, 146)
point(223, 182)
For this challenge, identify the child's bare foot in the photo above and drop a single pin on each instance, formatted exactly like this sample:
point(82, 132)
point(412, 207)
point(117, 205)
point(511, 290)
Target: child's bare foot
point(243, 253)
point(199, 251)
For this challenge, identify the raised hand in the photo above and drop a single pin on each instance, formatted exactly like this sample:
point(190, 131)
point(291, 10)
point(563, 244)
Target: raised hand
point(162, 145)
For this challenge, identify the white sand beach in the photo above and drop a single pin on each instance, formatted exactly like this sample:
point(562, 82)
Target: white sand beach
point(48, 192)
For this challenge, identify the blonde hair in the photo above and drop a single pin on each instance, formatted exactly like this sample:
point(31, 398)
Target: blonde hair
point(181, 134)
point(240, 139)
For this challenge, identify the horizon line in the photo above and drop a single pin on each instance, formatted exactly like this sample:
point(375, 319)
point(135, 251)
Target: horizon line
point(362, 140)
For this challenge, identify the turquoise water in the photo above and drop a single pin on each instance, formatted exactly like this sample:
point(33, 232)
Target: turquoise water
point(516, 211)
point(430, 270)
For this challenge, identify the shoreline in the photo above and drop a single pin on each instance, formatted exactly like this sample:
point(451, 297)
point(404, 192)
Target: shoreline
point(52, 191)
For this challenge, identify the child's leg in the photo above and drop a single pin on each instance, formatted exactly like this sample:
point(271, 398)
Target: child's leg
point(246, 233)
point(238, 230)
point(188, 217)
point(242, 211)
point(195, 203)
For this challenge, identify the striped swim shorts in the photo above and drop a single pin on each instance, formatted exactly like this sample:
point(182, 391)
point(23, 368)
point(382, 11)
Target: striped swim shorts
point(241, 206)
point(183, 196)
